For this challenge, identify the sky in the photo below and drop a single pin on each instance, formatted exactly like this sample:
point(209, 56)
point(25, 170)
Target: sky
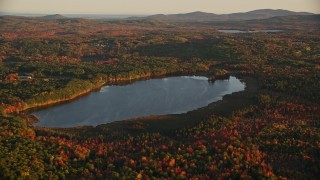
point(152, 6)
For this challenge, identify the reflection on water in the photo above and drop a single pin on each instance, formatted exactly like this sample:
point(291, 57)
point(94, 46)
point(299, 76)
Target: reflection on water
point(173, 95)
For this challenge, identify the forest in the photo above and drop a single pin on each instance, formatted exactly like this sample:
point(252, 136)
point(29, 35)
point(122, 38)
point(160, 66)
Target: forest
point(269, 131)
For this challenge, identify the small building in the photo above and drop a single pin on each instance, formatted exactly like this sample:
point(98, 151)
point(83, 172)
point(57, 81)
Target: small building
point(25, 77)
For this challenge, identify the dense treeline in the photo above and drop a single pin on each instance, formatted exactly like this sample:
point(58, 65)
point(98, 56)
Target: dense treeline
point(59, 82)
point(275, 133)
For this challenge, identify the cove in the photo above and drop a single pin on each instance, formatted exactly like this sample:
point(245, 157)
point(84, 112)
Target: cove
point(172, 95)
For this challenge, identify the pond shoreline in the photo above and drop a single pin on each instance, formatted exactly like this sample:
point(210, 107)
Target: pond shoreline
point(173, 95)
point(161, 120)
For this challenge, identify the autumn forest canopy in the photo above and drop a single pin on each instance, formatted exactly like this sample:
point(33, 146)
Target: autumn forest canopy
point(270, 130)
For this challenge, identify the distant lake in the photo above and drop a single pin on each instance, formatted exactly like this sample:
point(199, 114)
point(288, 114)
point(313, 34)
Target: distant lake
point(172, 95)
point(233, 31)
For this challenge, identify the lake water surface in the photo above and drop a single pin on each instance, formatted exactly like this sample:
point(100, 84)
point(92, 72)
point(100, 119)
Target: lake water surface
point(233, 31)
point(172, 95)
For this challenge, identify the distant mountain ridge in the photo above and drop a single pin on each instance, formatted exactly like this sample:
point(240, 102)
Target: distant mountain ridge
point(311, 19)
point(203, 16)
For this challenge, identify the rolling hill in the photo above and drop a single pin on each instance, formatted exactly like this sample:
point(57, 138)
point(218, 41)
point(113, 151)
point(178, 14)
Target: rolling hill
point(199, 16)
point(53, 16)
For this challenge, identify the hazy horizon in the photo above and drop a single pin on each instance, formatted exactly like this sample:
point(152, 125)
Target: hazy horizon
point(127, 14)
point(147, 7)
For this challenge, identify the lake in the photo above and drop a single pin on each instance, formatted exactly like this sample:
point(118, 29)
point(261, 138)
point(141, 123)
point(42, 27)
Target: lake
point(172, 95)
point(233, 31)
